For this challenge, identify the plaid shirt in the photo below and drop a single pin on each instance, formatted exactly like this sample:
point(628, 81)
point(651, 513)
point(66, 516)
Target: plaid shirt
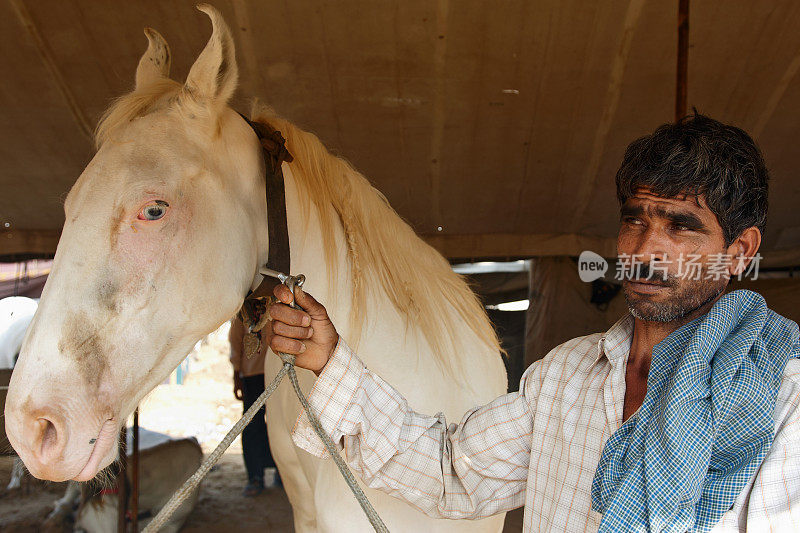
point(539, 447)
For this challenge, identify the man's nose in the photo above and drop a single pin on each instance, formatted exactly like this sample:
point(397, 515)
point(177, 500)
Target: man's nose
point(651, 246)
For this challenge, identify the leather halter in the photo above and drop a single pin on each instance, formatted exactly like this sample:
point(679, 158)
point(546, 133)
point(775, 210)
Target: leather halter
point(275, 153)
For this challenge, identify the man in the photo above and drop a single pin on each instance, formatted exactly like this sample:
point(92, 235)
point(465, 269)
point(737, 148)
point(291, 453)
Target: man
point(248, 384)
point(680, 417)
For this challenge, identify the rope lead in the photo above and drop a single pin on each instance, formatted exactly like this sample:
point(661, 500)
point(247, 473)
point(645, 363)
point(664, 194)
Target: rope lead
point(288, 368)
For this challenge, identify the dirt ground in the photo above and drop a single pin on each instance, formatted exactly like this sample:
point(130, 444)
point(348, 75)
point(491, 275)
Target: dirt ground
point(203, 407)
point(221, 504)
point(25, 509)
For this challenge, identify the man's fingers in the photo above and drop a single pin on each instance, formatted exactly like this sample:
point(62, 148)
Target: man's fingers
point(286, 345)
point(282, 293)
point(293, 317)
point(294, 332)
point(309, 304)
point(312, 306)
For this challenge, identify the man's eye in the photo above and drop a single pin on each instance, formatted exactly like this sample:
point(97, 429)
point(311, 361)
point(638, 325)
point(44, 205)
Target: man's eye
point(153, 211)
point(679, 227)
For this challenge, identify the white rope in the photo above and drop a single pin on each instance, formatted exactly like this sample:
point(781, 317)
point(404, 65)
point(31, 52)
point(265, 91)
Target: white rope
point(369, 510)
point(191, 484)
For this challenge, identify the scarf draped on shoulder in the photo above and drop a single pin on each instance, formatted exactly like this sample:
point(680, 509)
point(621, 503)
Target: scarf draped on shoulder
point(706, 422)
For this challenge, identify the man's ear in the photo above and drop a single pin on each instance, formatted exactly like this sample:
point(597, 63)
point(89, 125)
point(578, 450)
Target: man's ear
point(212, 79)
point(743, 249)
point(154, 64)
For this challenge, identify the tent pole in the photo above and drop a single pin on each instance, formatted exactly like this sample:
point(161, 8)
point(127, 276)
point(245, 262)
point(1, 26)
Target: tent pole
point(135, 474)
point(683, 60)
point(122, 482)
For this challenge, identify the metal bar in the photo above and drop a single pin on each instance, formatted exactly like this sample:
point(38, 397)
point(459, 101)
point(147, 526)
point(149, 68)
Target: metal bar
point(122, 485)
point(135, 474)
point(682, 77)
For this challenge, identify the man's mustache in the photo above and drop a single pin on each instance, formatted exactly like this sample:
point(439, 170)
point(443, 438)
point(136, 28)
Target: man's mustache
point(643, 273)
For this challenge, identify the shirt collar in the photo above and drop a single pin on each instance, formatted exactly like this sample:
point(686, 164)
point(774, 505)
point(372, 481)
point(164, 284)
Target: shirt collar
point(616, 342)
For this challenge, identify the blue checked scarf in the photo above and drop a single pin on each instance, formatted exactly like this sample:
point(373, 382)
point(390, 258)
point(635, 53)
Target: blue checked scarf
point(706, 422)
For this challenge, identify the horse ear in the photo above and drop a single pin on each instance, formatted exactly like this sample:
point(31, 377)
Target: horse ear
point(213, 76)
point(154, 64)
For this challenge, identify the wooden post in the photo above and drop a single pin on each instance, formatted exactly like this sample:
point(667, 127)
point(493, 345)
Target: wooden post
point(122, 485)
point(135, 474)
point(683, 60)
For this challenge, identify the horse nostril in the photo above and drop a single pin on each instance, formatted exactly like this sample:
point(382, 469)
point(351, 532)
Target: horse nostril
point(48, 435)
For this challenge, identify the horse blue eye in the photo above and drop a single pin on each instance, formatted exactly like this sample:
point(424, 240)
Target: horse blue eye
point(154, 211)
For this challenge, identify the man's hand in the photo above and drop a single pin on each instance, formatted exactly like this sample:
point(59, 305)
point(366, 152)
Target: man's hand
point(309, 334)
point(237, 385)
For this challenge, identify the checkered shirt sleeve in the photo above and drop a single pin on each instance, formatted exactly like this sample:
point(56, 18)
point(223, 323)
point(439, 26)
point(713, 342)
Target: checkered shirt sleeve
point(472, 470)
point(773, 503)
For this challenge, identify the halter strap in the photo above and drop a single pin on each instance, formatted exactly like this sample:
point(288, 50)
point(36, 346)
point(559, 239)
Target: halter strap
point(279, 257)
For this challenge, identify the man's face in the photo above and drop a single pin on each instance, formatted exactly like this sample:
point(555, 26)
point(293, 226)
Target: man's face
point(674, 249)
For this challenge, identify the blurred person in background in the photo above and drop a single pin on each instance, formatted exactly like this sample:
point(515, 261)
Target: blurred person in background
point(248, 384)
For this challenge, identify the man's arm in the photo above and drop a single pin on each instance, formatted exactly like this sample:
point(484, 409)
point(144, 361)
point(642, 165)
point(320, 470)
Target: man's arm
point(774, 500)
point(471, 470)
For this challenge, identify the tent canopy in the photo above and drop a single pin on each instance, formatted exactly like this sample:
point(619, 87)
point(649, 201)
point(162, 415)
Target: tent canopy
point(503, 126)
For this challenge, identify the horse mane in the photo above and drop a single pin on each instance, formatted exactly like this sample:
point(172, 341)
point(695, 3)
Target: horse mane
point(381, 246)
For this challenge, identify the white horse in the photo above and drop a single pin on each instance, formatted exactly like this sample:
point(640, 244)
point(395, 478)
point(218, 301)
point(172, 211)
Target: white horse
point(16, 313)
point(165, 231)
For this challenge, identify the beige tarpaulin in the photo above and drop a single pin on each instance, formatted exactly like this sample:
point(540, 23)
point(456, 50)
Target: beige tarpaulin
point(501, 123)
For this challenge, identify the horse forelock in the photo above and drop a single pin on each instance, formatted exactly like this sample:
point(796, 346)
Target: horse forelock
point(138, 103)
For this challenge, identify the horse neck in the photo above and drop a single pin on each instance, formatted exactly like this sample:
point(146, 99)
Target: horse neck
point(384, 339)
point(332, 284)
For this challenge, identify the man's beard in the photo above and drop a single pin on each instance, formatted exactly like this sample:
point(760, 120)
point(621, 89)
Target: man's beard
point(685, 296)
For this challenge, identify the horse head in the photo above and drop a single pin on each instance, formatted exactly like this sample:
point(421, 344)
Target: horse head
point(163, 233)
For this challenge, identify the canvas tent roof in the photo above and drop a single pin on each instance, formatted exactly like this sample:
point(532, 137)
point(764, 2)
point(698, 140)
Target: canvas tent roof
point(504, 126)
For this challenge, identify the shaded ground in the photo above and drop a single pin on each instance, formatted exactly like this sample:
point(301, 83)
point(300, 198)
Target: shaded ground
point(221, 505)
point(222, 508)
point(25, 509)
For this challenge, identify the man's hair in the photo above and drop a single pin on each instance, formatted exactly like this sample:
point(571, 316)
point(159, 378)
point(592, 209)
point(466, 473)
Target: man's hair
point(699, 156)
